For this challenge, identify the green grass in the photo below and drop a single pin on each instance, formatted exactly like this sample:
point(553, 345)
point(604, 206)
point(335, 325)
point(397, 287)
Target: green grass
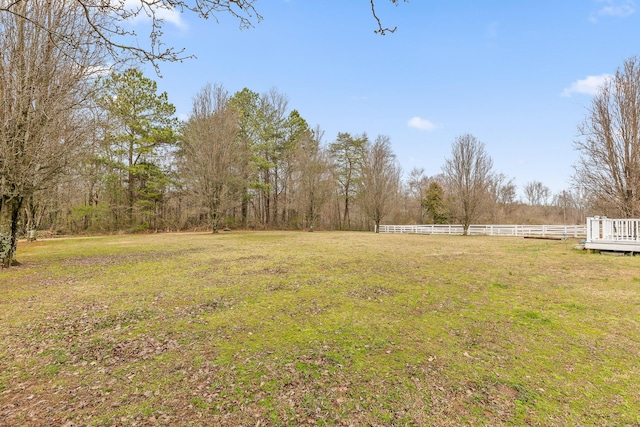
point(288, 328)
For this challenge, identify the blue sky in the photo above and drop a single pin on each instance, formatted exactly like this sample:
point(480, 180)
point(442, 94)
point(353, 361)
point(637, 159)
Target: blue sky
point(516, 74)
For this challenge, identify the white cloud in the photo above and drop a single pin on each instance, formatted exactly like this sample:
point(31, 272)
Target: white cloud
point(420, 123)
point(620, 10)
point(588, 86)
point(168, 14)
point(615, 8)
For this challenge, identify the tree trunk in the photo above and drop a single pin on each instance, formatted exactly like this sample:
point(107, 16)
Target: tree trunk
point(245, 207)
point(346, 220)
point(14, 211)
point(214, 223)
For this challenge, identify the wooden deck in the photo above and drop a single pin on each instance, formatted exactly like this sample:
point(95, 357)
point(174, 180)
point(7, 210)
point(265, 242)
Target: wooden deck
point(613, 234)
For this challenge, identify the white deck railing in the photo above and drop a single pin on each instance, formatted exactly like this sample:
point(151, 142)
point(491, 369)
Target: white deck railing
point(613, 230)
point(491, 230)
point(613, 234)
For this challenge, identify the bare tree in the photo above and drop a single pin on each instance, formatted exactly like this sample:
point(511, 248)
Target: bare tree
point(212, 151)
point(583, 203)
point(468, 173)
point(43, 91)
point(565, 204)
point(503, 189)
point(380, 179)
point(609, 163)
point(503, 193)
point(418, 183)
point(536, 193)
point(314, 177)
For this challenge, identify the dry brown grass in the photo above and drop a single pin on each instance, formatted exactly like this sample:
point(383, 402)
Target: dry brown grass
point(286, 328)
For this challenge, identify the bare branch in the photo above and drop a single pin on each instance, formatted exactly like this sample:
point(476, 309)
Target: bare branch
point(383, 30)
point(107, 18)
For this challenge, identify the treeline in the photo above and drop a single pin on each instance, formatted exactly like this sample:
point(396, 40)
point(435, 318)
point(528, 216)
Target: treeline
point(247, 160)
point(81, 152)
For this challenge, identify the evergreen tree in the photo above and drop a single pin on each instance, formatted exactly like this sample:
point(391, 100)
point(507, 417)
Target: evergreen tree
point(140, 129)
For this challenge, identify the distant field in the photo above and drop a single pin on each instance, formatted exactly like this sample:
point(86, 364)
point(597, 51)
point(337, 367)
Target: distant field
point(292, 328)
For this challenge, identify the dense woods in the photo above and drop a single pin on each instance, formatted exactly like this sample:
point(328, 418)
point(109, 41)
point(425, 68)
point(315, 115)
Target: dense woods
point(250, 160)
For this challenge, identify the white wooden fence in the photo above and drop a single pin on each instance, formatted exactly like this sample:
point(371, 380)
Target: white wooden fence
point(576, 231)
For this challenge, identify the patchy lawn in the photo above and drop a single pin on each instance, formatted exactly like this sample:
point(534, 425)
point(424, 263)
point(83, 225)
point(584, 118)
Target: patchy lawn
point(288, 328)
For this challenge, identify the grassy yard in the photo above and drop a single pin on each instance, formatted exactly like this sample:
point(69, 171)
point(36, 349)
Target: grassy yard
point(291, 328)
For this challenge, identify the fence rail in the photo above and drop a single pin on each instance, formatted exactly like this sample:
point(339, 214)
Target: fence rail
point(576, 231)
